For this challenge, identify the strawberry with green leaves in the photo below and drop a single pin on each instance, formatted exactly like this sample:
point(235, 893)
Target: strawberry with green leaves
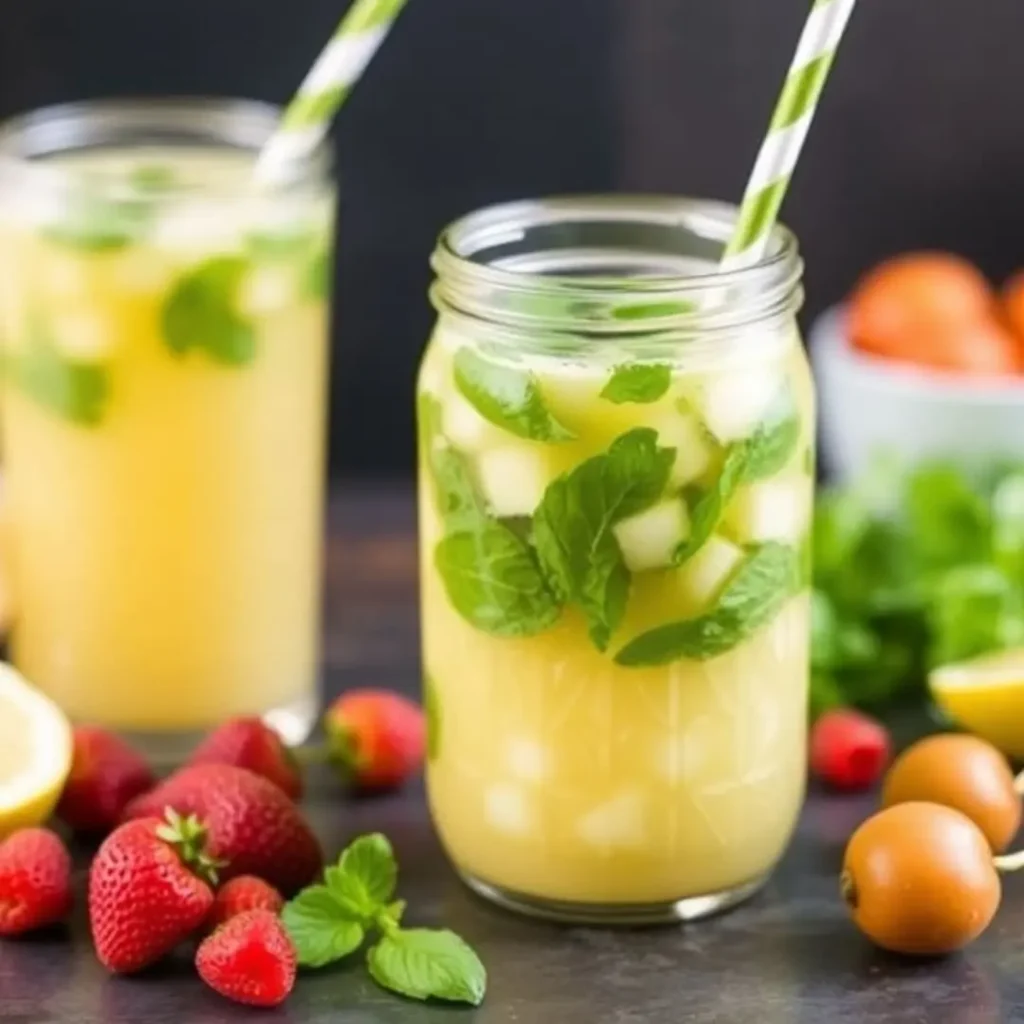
point(376, 738)
point(252, 826)
point(330, 921)
point(150, 888)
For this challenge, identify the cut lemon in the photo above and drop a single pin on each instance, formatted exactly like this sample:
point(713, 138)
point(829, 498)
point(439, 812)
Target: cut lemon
point(985, 696)
point(35, 753)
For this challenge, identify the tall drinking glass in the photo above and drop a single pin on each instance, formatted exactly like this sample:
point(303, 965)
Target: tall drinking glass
point(164, 333)
point(615, 498)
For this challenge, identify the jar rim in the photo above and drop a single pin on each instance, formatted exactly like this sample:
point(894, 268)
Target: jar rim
point(480, 258)
point(215, 122)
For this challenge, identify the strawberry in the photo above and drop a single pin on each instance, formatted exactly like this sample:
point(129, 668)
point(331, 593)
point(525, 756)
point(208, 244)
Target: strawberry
point(250, 959)
point(849, 750)
point(246, 892)
point(250, 743)
point(35, 881)
point(148, 890)
point(105, 775)
point(252, 826)
point(376, 737)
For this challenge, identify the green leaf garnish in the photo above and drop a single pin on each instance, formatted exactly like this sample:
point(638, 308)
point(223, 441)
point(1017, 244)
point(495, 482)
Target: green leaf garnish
point(507, 397)
point(640, 383)
point(329, 922)
point(365, 877)
point(763, 582)
point(573, 525)
point(422, 964)
point(493, 581)
point(200, 313)
point(76, 390)
point(97, 225)
point(320, 928)
point(152, 178)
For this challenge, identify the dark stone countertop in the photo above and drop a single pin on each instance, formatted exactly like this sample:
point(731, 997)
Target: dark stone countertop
point(789, 955)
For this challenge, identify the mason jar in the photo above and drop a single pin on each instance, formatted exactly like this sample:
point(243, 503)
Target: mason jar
point(165, 336)
point(615, 491)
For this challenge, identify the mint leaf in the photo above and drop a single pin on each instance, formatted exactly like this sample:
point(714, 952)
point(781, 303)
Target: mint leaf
point(152, 178)
point(773, 442)
point(432, 710)
point(455, 493)
point(365, 877)
point(425, 964)
point(767, 578)
point(200, 313)
point(266, 246)
point(320, 928)
point(507, 397)
point(76, 391)
point(640, 384)
point(573, 525)
point(493, 581)
point(707, 507)
point(761, 455)
point(949, 519)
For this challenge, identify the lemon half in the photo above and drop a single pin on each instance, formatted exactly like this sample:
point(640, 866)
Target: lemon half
point(985, 696)
point(35, 753)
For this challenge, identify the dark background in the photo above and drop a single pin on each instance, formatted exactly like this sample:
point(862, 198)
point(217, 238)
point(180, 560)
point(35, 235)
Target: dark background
point(919, 143)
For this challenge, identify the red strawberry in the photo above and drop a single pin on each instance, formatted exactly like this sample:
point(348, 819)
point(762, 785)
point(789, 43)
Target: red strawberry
point(35, 881)
point(250, 959)
point(849, 750)
point(378, 738)
point(250, 743)
point(246, 892)
point(253, 827)
point(105, 775)
point(148, 891)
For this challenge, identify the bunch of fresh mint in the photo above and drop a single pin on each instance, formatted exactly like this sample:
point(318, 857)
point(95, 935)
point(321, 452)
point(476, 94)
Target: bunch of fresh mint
point(911, 570)
point(329, 921)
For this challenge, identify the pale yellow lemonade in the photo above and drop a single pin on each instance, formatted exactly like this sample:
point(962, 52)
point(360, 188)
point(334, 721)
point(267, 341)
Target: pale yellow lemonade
point(165, 367)
point(615, 614)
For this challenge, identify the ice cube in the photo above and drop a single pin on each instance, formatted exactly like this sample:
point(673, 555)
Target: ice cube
point(618, 822)
point(195, 229)
point(507, 809)
point(527, 759)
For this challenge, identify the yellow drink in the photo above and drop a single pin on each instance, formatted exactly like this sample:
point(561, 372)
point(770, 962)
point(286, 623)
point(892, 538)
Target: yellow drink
point(615, 605)
point(163, 425)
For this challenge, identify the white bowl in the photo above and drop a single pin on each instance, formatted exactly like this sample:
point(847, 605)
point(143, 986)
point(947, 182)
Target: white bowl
point(868, 405)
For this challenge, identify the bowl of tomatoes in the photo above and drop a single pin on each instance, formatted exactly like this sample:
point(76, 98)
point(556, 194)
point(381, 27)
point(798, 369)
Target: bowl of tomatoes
point(925, 360)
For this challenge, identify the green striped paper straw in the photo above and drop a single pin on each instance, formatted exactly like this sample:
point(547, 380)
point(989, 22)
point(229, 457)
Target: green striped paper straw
point(787, 132)
point(308, 117)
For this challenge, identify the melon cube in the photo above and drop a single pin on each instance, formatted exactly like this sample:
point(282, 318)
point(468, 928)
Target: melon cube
point(513, 479)
point(649, 539)
point(694, 450)
point(777, 509)
point(732, 404)
point(704, 575)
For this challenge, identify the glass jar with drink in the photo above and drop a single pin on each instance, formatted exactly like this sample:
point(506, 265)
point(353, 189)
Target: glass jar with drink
point(616, 476)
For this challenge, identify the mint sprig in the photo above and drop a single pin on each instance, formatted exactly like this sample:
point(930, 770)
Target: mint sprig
point(330, 921)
